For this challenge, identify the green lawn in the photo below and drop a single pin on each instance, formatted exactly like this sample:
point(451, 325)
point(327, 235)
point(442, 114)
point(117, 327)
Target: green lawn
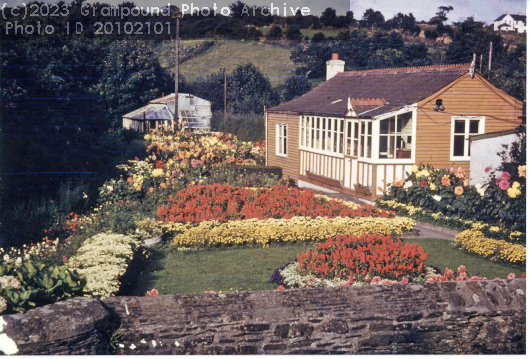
point(249, 268)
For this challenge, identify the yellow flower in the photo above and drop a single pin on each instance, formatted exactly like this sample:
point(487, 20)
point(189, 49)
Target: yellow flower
point(157, 172)
point(414, 169)
point(432, 186)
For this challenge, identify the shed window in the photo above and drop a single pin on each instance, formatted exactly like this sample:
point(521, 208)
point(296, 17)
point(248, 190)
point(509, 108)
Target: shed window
point(281, 139)
point(461, 129)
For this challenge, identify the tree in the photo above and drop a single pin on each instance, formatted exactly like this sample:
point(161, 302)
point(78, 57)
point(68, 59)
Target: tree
point(441, 15)
point(132, 76)
point(318, 37)
point(328, 16)
point(293, 33)
point(238, 9)
point(295, 86)
point(372, 18)
point(275, 33)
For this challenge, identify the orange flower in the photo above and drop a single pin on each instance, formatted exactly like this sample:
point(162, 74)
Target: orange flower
point(459, 190)
point(399, 183)
point(151, 189)
point(130, 180)
point(446, 181)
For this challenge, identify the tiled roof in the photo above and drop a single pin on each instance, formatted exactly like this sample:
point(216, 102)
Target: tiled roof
point(396, 86)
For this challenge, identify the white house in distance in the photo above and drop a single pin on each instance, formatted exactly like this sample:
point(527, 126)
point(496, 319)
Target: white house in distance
point(195, 114)
point(510, 22)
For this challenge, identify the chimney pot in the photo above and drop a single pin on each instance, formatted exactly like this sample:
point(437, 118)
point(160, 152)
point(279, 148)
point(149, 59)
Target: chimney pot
point(334, 56)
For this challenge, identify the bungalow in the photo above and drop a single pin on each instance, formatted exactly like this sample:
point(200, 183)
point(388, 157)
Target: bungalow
point(510, 22)
point(195, 114)
point(359, 131)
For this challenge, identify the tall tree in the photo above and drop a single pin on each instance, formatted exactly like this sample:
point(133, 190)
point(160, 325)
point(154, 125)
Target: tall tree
point(441, 15)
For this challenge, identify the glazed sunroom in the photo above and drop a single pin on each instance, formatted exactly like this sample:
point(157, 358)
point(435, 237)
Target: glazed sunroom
point(357, 152)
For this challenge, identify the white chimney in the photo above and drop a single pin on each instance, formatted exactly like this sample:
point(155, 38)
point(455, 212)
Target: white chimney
point(334, 66)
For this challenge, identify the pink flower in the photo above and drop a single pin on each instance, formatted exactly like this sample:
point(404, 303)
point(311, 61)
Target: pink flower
point(386, 282)
point(496, 278)
point(510, 276)
point(505, 176)
point(451, 170)
point(462, 269)
point(488, 169)
point(209, 292)
point(449, 273)
point(504, 185)
point(313, 280)
point(65, 259)
point(523, 275)
point(375, 280)
point(475, 278)
point(404, 280)
point(281, 287)
point(151, 292)
point(367, 278)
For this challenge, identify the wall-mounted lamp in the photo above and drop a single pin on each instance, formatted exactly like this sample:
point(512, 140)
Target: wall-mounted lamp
point(439, 105)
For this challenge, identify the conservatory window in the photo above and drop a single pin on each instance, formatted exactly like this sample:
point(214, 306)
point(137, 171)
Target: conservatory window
point(395, 137)
point(461, 129)
point(323, 134)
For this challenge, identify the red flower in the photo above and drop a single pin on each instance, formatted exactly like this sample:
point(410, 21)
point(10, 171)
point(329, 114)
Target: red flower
point(281, 287)
point(487, 170)
point(151, 292)
point(523, 275)
point(424, 183)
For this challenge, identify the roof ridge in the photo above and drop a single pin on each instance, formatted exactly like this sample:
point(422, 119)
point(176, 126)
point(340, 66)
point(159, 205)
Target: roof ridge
point(409, 68)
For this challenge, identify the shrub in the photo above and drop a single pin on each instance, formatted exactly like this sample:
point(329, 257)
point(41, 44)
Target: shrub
point(223, 203)
point(103, 259)
point(24, 285)
point(368, 254)
point(296, 229)
point(497, 250)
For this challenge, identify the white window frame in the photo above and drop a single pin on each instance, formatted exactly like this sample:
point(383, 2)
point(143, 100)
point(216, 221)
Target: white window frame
point(481, 130)
point(280, 139)
point(325, 141)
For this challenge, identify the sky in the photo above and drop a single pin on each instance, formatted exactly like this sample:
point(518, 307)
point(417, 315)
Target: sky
point(482, 10)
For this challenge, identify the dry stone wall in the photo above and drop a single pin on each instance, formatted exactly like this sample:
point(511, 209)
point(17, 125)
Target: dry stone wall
point(431, 318)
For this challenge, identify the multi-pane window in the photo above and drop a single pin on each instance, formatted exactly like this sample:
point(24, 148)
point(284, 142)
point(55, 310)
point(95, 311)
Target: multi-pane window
point(395, 137)
point(461, 129)
point(281, 139)
point(324, 134)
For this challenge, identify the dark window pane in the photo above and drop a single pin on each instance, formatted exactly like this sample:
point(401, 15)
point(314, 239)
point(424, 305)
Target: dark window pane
point(369, 147)
point(383, 129)
point(473, 127)
point(348, 134)
point(460, 126)
point(363, 128)
point(369, 128)
point(458, 147)
point(357, 130)
point(383, 147)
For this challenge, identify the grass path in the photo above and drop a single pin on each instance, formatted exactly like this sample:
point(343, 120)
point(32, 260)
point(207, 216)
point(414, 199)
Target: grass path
point(249, 268)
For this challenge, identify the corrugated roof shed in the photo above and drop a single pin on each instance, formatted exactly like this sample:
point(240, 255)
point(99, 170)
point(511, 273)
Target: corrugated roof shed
point(397, 86)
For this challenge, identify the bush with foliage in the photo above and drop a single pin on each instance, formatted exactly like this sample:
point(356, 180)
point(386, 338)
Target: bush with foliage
point(223, 203)
point(103, 260)
point(25, 285)
point(501, 200)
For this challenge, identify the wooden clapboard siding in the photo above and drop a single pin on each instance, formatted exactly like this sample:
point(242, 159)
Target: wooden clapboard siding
point(464, 97)
point(291, 163)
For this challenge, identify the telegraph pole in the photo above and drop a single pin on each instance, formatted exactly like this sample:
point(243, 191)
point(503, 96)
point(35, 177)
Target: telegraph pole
point(489, 64)
point(224, 114)
point(177, 45)
point(480, 64)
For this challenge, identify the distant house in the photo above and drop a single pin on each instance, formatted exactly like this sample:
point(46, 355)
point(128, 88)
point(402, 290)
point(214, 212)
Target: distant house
point(195, 114)
point(361, 130)
point(510, 22)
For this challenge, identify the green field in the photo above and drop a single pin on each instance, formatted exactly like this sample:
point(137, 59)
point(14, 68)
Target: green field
point(272, 61)
point(249, 268)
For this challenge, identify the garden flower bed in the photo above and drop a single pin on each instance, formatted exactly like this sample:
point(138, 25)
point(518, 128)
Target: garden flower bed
point(363, 260)
point(223, 203)
point(475, 242)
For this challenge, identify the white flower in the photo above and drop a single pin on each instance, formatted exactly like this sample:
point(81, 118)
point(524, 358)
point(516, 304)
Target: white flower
point(177, 344)
point(143, 341)
point(110, 188)
point(121, 345)
point(8, 345)
point(3, 304)
point(132, 346)
point(480, 189)
point(9, 281)
point(408, 184)
point(153, 343)
point(6, 258)
point(437, 198)
point(18, 262)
